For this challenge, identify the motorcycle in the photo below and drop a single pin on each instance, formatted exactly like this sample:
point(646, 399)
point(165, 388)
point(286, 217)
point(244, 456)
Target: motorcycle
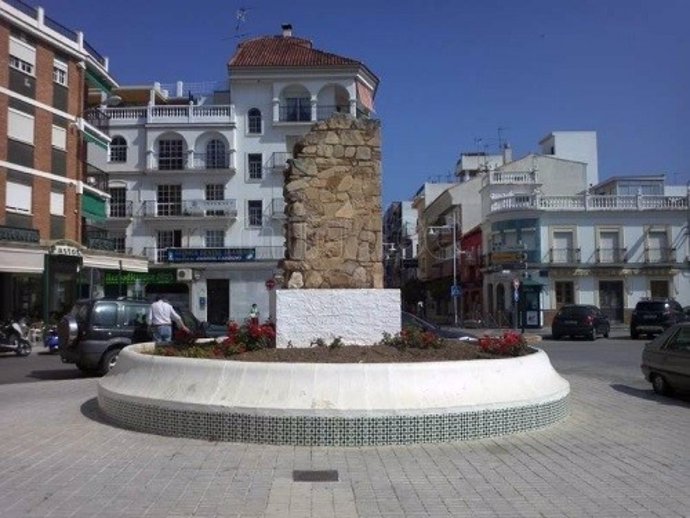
point(14, 338)
point(51, 340)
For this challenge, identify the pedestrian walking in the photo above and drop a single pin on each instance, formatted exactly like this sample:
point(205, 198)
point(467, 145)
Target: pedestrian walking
point(254, 314)
point(160, 318)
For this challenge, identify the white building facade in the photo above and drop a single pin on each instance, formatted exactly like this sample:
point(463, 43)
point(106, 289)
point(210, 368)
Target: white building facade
point(196, 173)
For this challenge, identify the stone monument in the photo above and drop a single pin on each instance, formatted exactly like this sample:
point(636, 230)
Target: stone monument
point(333, 270)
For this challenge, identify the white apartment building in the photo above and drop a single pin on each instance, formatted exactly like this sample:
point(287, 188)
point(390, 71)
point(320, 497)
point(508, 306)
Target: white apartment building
point(196, 172)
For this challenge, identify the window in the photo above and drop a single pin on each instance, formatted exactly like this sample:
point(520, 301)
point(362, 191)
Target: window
point(681, 340)
point(22, 56)
point(169, 198)
point(659, 288)
point(255, 213)
point(170, 155)
point(20, 126)
point(104, 315)
point(118, 202)
point(57, 204)
point(167, 239)
point(118, 149)
point(254, 121)
point(255, 165)
point(119, 244)
point(562, 250)
point(657, 246)
point(298, 109)
point(215, 192)
point(215, 239)
point(565, 293)
point(134, 315)
point(216, 157)
point(18, 197)
point(60, 72)
point(59, 137)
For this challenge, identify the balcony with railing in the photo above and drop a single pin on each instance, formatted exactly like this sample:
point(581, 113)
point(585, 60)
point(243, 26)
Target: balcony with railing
point(324, 112)
point(172, 114)
point(587, 202)
point(223, 163)
point(659, 255)
point(564, 255)
point(97, 238)
point(510, 178)
point(96, 178)
point(293, 113)
point(190, 209)
point(195, 255)
point(610, 255)
point(120, 210)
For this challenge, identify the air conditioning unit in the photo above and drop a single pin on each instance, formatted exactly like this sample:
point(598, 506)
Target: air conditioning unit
point(184, 274)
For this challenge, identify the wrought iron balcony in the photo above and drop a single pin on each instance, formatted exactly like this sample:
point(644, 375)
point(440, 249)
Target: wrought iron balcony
point(190, 209)
point(278, 208)
point(660, 255)
point(120, 209)
point(611, 255)
point(564, 255)
point(291, 113)
point(97, 239)
point(324, 112)
point(278, 161)
point(95, 177)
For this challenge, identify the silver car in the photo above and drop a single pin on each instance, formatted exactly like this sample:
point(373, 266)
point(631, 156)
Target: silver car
point(666, 360)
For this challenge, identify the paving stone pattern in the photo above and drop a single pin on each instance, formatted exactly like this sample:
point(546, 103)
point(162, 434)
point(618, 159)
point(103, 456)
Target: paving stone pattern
point(622, 452)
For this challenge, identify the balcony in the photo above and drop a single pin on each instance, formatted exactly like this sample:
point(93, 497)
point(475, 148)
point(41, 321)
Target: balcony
point(291, 113)
point(278, 208)
point(97, 239)
point(96, 178)
point(222, 163)
point(510, 178)
point(120, 210)
point(324, 112)
point(278, 161)
point(564, 255)
point(659, 255)
point(190, 209)
point(172, 114)
point(588, 202)
point(192, 255)
point(611, 255)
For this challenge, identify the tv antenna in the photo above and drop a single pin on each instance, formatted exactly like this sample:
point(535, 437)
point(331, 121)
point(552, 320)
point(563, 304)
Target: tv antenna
point(241, 19)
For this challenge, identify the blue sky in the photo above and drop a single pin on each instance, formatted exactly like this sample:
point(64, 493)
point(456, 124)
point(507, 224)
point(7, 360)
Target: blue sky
point(451, 71)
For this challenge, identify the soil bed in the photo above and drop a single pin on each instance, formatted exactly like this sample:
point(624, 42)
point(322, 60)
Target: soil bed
point(452, 350)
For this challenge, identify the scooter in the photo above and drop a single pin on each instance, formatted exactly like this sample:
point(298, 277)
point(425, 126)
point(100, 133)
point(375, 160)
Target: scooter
point(51, 340)
point(14, 338)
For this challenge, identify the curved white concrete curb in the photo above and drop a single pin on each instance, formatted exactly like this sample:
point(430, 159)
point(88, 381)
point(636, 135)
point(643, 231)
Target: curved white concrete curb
point(422, 401)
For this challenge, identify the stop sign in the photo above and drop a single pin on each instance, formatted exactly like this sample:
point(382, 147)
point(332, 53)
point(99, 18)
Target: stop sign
point(270, 284)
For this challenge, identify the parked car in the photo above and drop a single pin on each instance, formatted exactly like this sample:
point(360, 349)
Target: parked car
point(94, 332)
point(666, 360)
point(580, 320)
point(410, 320)
point(654, 315)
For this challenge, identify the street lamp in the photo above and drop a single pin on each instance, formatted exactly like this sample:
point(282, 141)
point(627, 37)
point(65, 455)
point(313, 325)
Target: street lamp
point(455, 289)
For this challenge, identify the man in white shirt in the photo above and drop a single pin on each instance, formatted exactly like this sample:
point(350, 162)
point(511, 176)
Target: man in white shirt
point(160, 318)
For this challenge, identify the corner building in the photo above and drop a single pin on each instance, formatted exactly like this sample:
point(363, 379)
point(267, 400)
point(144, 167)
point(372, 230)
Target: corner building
point(52, 249)
point(196, 170)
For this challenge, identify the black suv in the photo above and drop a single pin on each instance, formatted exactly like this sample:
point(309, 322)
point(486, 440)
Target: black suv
point(96, 330)
point(655, 315)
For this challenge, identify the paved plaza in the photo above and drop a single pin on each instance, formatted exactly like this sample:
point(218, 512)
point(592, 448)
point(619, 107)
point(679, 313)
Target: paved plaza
point(622, 452)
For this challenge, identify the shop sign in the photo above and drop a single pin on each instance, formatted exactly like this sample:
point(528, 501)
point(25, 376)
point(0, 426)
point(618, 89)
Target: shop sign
point(210, 255)
point(114, 278)
point(70, 251)
point(506, 257)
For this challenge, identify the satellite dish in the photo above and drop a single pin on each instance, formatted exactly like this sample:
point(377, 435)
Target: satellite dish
point(113, 100)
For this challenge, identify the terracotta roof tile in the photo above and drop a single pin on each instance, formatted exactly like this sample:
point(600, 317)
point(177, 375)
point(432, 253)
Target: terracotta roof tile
point(282, 51)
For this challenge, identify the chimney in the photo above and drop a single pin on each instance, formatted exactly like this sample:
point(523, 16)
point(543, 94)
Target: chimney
point(287, 30)
point(507, 153)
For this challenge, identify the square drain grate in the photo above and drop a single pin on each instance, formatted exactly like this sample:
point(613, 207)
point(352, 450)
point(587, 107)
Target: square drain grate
point(326, 475)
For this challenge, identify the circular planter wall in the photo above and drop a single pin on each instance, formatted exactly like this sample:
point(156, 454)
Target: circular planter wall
point(331, 404)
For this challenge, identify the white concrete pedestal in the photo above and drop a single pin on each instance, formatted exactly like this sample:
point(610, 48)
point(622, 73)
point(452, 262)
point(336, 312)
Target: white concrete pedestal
point(358, 317)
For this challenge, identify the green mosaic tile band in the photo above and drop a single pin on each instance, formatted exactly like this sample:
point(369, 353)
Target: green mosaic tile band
point(332, 431)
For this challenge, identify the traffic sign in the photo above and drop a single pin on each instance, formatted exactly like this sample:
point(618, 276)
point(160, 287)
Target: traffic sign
point(270, 284)
point(455, 290)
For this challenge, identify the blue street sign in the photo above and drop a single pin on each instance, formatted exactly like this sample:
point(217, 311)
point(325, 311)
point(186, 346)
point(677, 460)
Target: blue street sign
point(455, 290)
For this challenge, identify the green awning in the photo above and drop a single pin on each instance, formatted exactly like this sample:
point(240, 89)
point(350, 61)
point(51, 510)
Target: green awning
point(92, 207)
point(97, 82)
point(90, 137)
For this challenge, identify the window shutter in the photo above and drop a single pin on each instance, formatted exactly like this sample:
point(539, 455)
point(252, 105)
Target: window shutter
point(59, 137)
point(23, 51)
point(57, 204)
point(20, 126)
point(18, 197)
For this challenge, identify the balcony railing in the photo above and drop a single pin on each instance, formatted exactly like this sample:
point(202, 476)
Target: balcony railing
point(213, 161)
point(190, 209)
point(97, 239)
point(208, 162)
point(294, 113)
point(510, 177)
point(187, 255)
point(660, 255)
point(96, 178)
point(588, 203)
point(181, 113)
point(121, 209)
point(278, 160)
point(278, 208)
point(564, 255)
point(324, 112)
point(611, 255)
